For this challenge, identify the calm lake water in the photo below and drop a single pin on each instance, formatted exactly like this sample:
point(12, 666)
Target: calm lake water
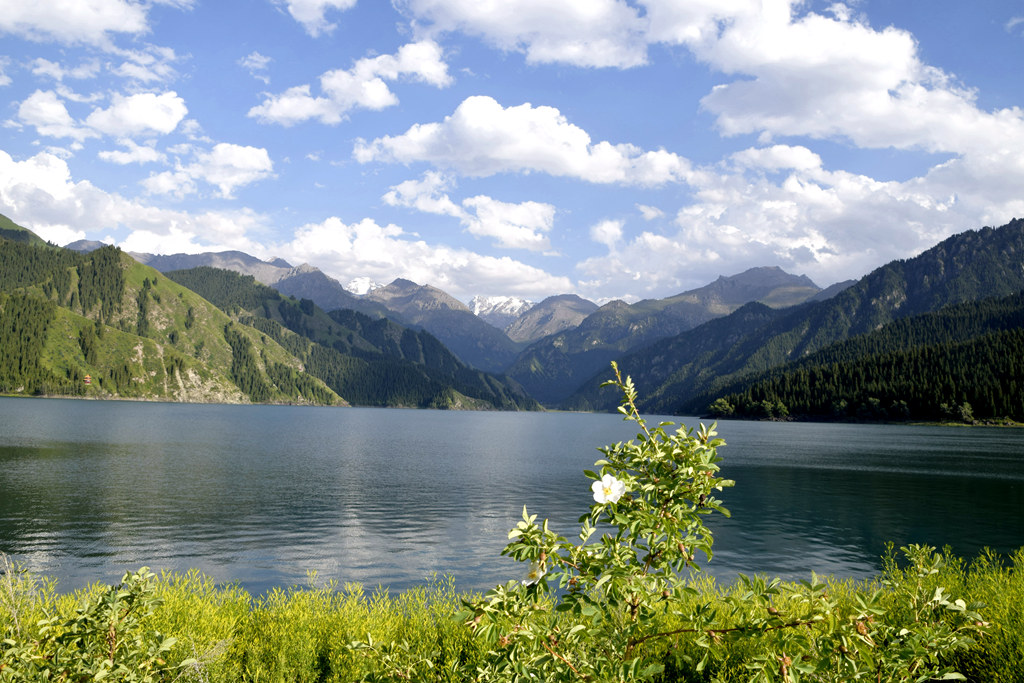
point(262, 495)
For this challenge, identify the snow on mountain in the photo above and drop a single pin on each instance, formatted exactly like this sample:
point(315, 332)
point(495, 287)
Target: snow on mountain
point(361, 286)
point(499, 311)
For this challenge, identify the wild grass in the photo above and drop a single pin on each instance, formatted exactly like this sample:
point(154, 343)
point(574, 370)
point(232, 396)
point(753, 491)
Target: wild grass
point(305, 634)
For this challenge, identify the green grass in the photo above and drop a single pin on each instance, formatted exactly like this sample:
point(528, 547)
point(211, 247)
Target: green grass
point(304, 633)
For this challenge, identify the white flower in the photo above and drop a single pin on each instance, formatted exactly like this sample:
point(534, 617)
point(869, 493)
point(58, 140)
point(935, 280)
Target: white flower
point(608, 490)
point(535, 573)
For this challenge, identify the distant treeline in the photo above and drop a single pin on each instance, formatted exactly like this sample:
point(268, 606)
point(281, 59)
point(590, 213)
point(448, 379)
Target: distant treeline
point(964, 362)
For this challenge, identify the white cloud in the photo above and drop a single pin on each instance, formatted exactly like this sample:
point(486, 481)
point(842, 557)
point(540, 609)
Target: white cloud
point(227, 166)
point(512, 226)
point(58, 72)
point(4, 78)
point(311, 13)
point(363, 86)
point(482, 138)
point(127, 116)
point(152, 64)
point(132, 154)
point(230, 166)
point(178, 183)
point(607, 232)
point(777, 157)
point(428, 195)
point(256, 64)
point(45, 111)
point(831, 225)
point(590, 33)
point(77, 22)
point(1014, 23)
point(40, 194)
point(382, 253)
point(649, 212)
point(140, 114)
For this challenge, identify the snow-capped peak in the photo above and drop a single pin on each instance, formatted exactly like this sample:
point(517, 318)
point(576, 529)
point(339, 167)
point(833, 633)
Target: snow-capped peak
point(499, 311)
point(361, 286)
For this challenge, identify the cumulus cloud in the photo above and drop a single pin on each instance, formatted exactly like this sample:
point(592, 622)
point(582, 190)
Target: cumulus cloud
point(80, 22)
point(777, 157)
point(514, 226)
point(312, 13)
point(139, 114)
point(226, 166)
point(382, 253)
point(828, 224)
point(127, 116)
point(428, 194)
point(521, 225)
point(132, 154)
point(607, 232)
point(46, 112)
point(41, 194)
point(589, 33)
point(482, 138)
point(364, 86)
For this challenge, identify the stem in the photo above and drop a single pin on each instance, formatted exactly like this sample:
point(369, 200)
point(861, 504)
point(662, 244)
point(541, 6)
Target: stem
point(567, 662)
point(733, 629)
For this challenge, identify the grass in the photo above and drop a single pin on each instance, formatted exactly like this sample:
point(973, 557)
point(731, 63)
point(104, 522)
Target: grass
point(305, 633)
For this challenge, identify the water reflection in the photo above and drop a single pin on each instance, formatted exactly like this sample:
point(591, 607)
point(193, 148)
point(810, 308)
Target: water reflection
point(263, 494)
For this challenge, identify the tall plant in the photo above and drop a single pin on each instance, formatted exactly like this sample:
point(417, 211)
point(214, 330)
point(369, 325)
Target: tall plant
point(613, 605)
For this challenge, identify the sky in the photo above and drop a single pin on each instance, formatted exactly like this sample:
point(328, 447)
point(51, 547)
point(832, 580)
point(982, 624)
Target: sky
point(614, 149)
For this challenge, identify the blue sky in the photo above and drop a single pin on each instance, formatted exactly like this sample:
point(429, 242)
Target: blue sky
point(610, 148)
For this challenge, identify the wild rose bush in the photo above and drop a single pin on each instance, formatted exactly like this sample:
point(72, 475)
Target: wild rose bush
point(613, 605)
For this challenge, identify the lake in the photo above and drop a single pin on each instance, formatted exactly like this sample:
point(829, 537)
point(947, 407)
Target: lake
point(263, 495)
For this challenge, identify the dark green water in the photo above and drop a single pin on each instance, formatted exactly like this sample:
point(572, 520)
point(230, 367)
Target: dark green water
point(261, 495)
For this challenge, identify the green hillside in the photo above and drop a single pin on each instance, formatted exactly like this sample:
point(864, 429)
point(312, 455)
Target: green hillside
point(102, 325)
point(964, 362)
point(370, 361)
point(673, 372)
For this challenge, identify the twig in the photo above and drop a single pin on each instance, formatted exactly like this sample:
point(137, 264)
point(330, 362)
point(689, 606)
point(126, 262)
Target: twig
point(732, 629)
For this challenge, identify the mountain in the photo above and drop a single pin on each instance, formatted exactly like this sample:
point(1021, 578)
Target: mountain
point(672, 372)
point(267, 272)
point(369, 360)
point(552, 368)
point(499, 311)
point(101, 324)
point(964, 361)
point(84, 245)
point(551, 316)
point(474, 341)
point(362, 285)
point(308, 282)
point(15, 233)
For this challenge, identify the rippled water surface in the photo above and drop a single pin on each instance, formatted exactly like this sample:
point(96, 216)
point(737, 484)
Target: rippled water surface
point(261, 495)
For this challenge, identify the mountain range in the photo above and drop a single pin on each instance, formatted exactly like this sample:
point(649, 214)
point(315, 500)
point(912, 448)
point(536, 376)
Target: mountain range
point(682, 351)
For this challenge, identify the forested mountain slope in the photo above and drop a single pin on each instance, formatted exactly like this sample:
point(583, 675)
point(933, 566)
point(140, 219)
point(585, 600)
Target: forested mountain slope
point(554, 367)
point(964, 361)
point(370, 361)
point(102, 325)
point(672, 372)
